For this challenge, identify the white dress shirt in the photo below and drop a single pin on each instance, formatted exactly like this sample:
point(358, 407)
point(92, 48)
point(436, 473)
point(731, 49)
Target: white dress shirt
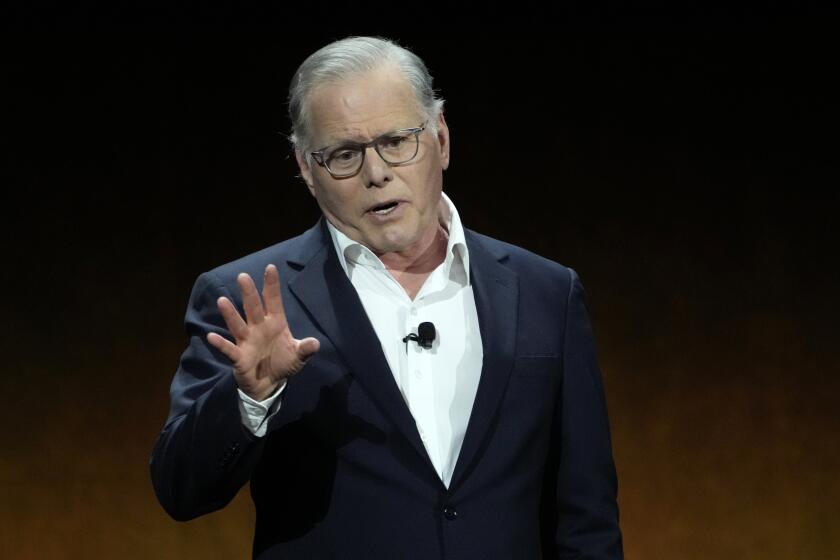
point(438, 384)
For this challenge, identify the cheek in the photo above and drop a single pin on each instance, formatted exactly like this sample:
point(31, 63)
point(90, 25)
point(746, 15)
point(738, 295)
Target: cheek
point(337, 200)
point(432, 187)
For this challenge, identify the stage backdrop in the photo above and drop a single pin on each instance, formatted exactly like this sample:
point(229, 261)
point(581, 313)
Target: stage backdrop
point(687, 178)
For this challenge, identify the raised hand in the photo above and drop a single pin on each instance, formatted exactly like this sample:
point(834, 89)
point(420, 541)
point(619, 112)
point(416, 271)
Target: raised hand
point(265, 352)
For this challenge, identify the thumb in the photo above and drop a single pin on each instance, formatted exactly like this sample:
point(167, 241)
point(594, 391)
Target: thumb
point(307, 347)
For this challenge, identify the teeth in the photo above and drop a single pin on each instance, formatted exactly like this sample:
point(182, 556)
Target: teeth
point(386, 209)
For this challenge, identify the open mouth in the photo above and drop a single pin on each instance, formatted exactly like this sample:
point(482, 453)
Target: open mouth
point(386, 208)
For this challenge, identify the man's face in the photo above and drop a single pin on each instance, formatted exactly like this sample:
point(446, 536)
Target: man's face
point(358, 110)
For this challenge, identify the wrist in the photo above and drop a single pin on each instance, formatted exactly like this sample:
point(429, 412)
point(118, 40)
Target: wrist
point(265, 393)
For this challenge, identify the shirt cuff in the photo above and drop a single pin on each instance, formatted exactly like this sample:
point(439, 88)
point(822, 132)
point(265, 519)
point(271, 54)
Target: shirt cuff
point(256, 414)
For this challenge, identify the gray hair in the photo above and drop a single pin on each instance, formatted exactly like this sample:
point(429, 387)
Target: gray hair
point(348, 58)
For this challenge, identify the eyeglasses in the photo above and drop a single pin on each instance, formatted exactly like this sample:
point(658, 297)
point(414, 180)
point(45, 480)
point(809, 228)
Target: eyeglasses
point(346, 160)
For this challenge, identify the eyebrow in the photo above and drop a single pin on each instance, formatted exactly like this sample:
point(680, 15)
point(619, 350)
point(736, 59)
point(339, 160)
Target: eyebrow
point(359, 139)
point(356, 138)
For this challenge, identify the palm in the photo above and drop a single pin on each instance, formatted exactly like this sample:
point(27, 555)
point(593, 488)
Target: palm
point(270, 348)
point(264, 352)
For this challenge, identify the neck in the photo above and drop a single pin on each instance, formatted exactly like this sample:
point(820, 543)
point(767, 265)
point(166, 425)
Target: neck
point(412, 269)
point(427, 255)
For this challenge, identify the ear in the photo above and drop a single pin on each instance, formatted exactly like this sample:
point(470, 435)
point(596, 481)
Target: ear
point(305, 171)
point(443, 140)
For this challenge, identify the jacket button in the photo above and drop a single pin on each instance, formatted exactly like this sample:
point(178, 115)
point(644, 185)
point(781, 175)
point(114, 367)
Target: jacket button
point(450, 513)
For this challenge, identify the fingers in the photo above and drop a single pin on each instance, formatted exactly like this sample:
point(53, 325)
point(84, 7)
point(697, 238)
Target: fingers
point(224, 346)
point(254, 312)
point(271, 293)
point(233, 320)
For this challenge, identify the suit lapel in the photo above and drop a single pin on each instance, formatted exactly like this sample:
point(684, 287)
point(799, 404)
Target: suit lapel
point(324, 290)
point(326, 293)
point(496, 291)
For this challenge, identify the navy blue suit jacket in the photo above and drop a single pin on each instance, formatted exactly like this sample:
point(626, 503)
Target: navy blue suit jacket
point(342, 472)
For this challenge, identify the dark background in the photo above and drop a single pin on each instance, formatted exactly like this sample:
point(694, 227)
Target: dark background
point(689, 177)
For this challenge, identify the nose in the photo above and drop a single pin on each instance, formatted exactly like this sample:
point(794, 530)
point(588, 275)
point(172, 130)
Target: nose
point(375, 171)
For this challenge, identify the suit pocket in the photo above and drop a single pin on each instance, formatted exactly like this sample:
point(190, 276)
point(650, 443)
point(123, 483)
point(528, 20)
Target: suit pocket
point(536, 366)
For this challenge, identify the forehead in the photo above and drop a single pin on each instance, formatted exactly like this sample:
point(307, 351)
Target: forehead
point(362, 107)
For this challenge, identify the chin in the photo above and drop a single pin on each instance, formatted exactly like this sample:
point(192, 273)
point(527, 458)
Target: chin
point(389, 246)
point(400, 239)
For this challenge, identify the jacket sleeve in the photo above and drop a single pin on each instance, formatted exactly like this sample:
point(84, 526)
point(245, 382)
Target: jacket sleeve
point(204, 454)
point(587, 486)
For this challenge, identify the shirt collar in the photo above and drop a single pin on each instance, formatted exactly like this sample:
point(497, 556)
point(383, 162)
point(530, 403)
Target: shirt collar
point(352, 253)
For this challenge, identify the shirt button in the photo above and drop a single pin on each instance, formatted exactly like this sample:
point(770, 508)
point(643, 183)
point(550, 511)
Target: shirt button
point(418, 374)
point(450, 513)
point(413, 311)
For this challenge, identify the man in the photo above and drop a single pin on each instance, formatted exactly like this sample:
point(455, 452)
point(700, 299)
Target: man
point(482, 434)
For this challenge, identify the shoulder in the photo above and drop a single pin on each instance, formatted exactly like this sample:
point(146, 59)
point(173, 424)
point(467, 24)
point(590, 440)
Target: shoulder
point(532, 269)
point(298, 249)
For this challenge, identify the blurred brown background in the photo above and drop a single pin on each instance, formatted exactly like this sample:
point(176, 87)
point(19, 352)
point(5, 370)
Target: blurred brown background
point(688, 177)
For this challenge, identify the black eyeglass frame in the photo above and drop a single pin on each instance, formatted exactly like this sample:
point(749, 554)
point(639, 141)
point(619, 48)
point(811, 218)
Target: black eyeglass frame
point(362, 147)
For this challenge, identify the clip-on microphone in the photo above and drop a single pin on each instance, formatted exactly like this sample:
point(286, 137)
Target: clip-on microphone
point(425, 336)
